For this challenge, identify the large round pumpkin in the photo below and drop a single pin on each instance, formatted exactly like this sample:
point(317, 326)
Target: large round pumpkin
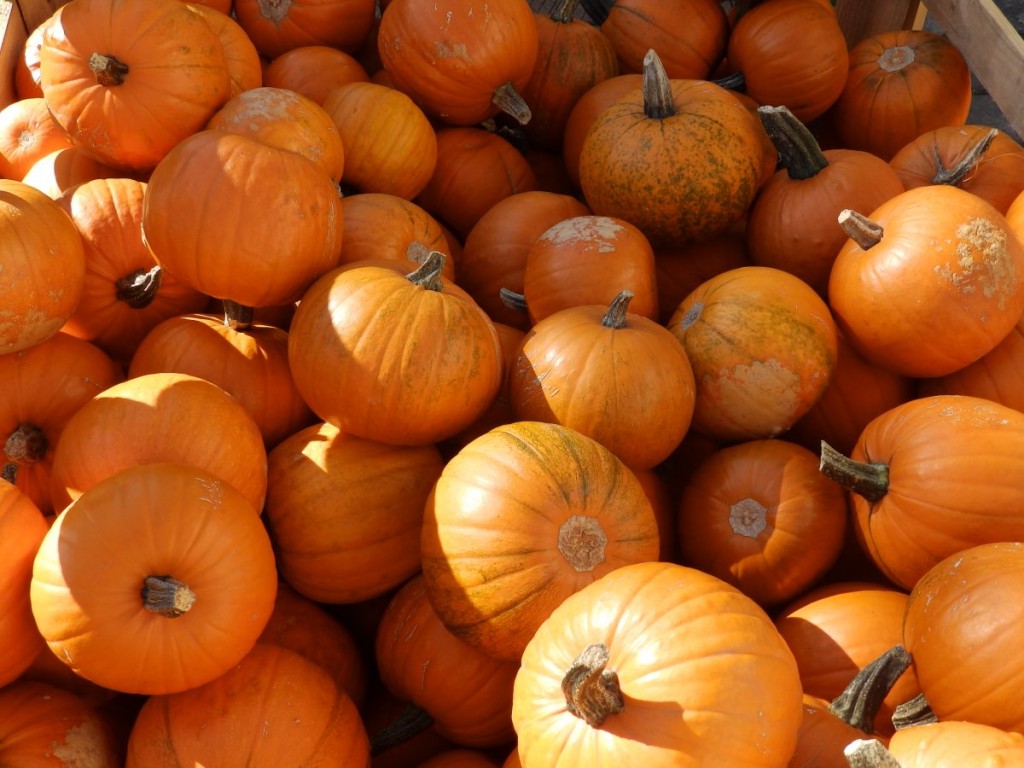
point(659, 665)
point(130, 79)
point(158, 579)
point(522, 517)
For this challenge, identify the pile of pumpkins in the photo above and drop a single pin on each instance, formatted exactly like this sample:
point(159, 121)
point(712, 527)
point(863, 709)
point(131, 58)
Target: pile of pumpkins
point(487, 384)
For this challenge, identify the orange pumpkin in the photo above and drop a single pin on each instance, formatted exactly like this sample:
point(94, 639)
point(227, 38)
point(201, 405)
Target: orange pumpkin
point(128, 81)
point(760, 516)
point(928, 282)
point(157, 579)
point(519, 519)
point(313, 71)
point(277, 28)
point(160, 417)
point(462, 64)
point(466, 693)
point(679, 159)
point(40, 389)
point(425, 361)
point(275, 707)
point(43, 268)
point(245, 69)
point(27, 133)
point(125, 293)
point(585, 111)
point(44, 726)
point(57, 172)
point(964, 743)
point(901, 83)
point(657, 648)
point(763, 348)
point(221, 242)
point(346, 513)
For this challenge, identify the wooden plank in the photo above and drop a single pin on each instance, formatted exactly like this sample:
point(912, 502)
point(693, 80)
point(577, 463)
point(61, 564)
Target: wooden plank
point(863, 18)
point(12, 35)
point(35, 12)
point(992, 47)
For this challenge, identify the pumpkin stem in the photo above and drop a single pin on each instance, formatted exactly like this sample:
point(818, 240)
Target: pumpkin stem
point(860, 228)
point(615, 317)
point(108, 69)
point(512, 299)
point(412, 721)
point(799, 152)
point(236, 316)
point(860, 701)
point(9, 472)
point(955, 176)
point(869, 753)
point(565, 11)
point(591, 691)
point(658, 100)
point(26, 445)
point(167, 596)
point(868, 479)
point(139, 288)
point(510, 101)
point(597, 10)
point(428, 273)
point(917, 711)
point(734, 81)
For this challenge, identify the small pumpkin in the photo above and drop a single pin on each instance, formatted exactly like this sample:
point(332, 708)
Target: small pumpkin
point(27, 133)
point(275, 28)
point(313, 71)
point(159, 578)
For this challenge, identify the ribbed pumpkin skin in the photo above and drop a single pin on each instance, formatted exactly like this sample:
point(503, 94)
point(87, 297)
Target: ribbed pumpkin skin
point(154, 520)
point(240, 220)
point(44, 726)
point(383, 358)
point(522, 517)
point(698, 662)
point(687, 176)
point(964, 627)
point(467, 693)
point(954, 467)
point(964, 744)
point(274, 708)
point(177, 77)
point(22, 528)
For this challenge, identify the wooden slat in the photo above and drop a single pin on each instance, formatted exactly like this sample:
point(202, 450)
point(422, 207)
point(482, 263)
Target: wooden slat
point(992, 47)
point(12, 34)
point(862, 18)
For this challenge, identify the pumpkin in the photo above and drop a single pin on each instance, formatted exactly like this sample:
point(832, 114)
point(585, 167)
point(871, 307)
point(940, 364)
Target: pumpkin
point(500, 411)
point(460, 758)
point(475, 169)
point(125, 292)
point(313, 71)
point(657, 648)
point(57, 172)
point(275, 707)
point(900, 84)
point(286, 120)
point(690, 36)
point(680, 269)
point(679, 159)
point(791, 53)
point(792, 222)
point(40, 389)
point(26, 67)
point(964, 743)
point(572, 56)
point(466, 693)
point(496, 249)
point(157, 579)
point(345, 512)
point(461, 61)
point(22, 528)
point(610, 374)
point(27, 133)
point(839, 628)
point(245, 68)
point(44, 726)
point(276, 28)
point(585, 111)
point(248, 361)
point(760, 516)
point(763, 348)
point(390, 145)
point(928, 282)
point(128, 81)
point(439, 370)
point(589, 259)
point(200, 225)
point(522, 517)
point(381, 225)
point(160, 417)
point(975, 158)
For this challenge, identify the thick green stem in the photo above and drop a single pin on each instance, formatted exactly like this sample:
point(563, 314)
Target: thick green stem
point(799, 152)
point(565, 11)
point(412, 721)
point(237, 316)
point(867, 479)
point(510, 101)
point(657, 88)
point(955, 175)
point(917, 711)
point(428, 273)
point(512, 299)
point(138, 289)
point(860, 701)
point(615, 317)
point(869, 753)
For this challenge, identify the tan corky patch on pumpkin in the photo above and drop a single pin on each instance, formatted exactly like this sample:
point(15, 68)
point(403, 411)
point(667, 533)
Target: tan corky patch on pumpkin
point(982, 262)
point(595, 230)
